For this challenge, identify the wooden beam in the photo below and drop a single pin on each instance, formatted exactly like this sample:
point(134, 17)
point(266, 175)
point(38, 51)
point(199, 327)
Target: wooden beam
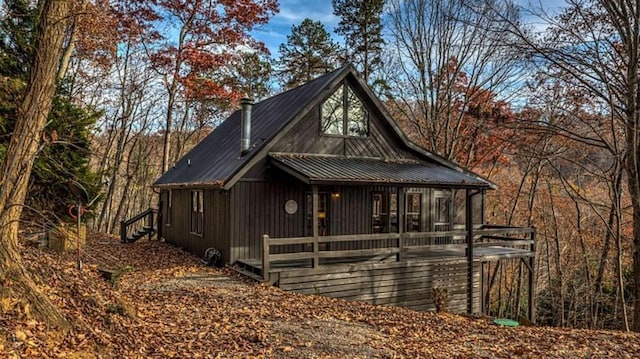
point(400, 217)
point(265, 258)
point(532, 279)
point(469, 227)
point(314, 225)
point(481, 292)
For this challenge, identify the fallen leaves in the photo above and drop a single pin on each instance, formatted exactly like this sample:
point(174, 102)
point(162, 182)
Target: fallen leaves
point(165, 304)
point(20, 335)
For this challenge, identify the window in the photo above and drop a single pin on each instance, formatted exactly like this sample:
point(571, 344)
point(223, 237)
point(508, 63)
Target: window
point(197, 212)
point(323, 218)
point(393, 213)
point(384, 213)
point(413, 206)
point(442, 215)
point(380, 213)
point(169, 204)
point(333, 114)
point(343, 114)
point(478, 208)
point(459, 207)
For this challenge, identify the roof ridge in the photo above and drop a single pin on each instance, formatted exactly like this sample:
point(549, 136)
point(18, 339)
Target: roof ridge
point(317, 79)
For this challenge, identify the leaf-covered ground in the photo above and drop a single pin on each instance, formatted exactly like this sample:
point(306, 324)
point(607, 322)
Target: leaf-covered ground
point(166, 304)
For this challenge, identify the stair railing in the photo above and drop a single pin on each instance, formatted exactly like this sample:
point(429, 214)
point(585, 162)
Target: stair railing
point(138, 226)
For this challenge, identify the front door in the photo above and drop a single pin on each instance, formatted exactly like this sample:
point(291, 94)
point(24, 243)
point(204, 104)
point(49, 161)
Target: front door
point(441, 215)
point(323, 214)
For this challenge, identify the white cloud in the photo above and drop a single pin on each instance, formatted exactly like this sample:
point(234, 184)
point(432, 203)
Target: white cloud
point(292, 12)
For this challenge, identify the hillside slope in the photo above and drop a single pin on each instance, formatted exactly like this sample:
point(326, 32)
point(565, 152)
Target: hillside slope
point(165, 304)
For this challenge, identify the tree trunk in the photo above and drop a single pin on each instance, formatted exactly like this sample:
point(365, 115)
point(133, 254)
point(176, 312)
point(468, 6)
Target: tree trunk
point(18, 162)
point(71, 43)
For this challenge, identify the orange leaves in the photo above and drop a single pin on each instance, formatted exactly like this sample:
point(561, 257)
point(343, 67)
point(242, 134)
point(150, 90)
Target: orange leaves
point(209, 32)
point(185, 310)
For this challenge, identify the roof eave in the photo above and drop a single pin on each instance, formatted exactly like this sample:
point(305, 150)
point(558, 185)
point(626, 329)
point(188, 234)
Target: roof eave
point(342, 181)
point(214, 185)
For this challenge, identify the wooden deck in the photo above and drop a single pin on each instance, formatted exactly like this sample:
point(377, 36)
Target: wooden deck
point(481, 254)
point(393, 269)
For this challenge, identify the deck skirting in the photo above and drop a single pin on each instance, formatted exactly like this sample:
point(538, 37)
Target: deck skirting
point(408, 284)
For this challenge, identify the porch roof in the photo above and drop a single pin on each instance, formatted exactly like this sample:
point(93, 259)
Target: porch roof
point(321, 169)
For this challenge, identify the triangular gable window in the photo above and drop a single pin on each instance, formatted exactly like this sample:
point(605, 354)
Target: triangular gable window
point(343, 114)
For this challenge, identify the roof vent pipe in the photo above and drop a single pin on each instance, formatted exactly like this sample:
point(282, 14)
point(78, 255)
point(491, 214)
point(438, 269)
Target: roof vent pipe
point(245, 136)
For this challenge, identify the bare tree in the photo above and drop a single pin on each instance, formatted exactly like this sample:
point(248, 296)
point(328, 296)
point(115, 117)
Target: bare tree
point(447, 53)
point(18, 162)
point(130, 120)
point(592, 48)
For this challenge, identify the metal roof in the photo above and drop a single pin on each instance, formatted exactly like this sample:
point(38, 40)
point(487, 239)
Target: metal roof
point(217, 162)
point(214, 160)
point(317, 169)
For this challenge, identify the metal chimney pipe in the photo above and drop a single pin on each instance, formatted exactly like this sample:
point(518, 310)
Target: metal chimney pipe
point(245, 135)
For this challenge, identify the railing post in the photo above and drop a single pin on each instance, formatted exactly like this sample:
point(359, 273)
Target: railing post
point(314, 224)
point(401, 224)
point(532, 279)
point(481, 292)
point(469, 227)
point(265, 258)
point(150, 222)
point(123, 232)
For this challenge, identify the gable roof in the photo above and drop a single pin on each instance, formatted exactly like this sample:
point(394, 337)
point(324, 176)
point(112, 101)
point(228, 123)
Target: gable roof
point(217, 161)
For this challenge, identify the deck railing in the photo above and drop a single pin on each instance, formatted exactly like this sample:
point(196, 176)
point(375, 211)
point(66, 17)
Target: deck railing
point(398, 244)
point(138, 226)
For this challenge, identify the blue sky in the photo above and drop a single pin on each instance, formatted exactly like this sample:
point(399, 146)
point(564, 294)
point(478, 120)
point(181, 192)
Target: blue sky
point(292, 12)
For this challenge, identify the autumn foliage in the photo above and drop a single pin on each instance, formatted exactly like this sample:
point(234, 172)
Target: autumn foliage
point(467, 124)
point(163, 302)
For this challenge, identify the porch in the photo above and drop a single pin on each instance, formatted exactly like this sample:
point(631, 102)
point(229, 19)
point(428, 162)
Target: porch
point(395, 268)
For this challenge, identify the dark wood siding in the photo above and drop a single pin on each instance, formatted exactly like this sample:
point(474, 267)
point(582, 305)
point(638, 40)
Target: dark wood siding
point(381, 142)
point(350, 212)
point(407, 284)
point(258, 209)
point(216, 222)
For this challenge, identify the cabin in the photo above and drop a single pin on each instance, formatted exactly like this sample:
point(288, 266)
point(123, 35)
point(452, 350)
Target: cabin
point(317, 190)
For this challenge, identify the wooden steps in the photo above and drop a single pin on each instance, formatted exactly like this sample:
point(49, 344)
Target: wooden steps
point(138, 226)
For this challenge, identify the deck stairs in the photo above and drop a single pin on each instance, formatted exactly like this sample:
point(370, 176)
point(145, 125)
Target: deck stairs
point(138, 226)
point(250, 270)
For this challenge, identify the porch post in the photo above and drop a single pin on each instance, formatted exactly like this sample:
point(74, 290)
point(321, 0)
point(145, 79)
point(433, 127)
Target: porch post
point(314, 225)
point(469, 227)
point(481, 291)
point(159, 218)
point(265, 258)
point(400, 214)
point(532, 279)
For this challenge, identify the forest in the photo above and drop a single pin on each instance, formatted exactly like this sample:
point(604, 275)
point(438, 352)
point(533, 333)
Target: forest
point(111, 93)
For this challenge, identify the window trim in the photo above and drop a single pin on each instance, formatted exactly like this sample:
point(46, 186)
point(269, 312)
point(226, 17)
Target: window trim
point(308, 213)
point(196, 211)
point(389, 200)
point(169, 208)
point(407, 213)
point(345, 113)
